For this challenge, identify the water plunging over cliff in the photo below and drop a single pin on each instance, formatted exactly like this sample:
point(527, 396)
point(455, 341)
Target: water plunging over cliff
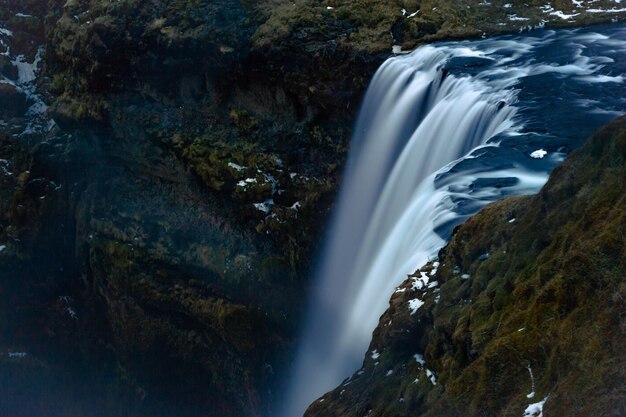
point(442, 132)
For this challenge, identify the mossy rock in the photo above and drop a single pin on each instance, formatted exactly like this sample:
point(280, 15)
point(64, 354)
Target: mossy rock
point(534, 321)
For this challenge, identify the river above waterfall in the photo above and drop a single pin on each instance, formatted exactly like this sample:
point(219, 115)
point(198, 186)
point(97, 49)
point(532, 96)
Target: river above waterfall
point(442, 132)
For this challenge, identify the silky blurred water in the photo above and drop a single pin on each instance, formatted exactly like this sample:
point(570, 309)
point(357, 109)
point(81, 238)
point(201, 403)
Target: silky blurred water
point(442, 132)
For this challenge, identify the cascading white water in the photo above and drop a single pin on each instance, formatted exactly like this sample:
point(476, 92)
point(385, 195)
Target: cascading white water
point(419, 120)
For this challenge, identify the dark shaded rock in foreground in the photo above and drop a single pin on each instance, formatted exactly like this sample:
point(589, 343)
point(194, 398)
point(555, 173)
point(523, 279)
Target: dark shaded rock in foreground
point(530, 303)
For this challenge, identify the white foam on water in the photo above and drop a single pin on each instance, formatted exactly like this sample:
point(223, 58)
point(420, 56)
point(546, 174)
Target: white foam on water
point(418, 121)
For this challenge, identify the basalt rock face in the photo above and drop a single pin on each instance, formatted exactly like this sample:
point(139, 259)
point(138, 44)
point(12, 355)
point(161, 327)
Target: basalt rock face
point(157, 239)
point(525, 304)
point(159, 220)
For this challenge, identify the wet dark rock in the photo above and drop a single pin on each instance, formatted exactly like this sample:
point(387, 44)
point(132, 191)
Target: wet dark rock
point(13, 103)
point(7, 68)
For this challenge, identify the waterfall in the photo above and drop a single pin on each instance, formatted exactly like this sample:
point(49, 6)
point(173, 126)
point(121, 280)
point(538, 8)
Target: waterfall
point(434, 125)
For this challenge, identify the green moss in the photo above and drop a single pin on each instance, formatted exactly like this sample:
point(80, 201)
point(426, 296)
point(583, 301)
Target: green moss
point(549, 298)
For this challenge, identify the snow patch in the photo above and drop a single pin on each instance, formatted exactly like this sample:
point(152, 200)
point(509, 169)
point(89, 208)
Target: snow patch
point(415, 304)
point(605, 11)
point(26, 70)
point(421, 282)
point(431, 375)
point(265, 206)
point(419, 358)
point(563, 16)
point(235, 166)
point(535, 410)
point(72, 313)
point(4, 166)
point(244, 183)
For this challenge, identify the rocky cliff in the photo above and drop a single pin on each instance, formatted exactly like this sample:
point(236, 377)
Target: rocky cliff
point(523, 311)
point(167, 169)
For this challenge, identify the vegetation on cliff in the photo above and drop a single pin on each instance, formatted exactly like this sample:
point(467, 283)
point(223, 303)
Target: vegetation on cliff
point(526, 303)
